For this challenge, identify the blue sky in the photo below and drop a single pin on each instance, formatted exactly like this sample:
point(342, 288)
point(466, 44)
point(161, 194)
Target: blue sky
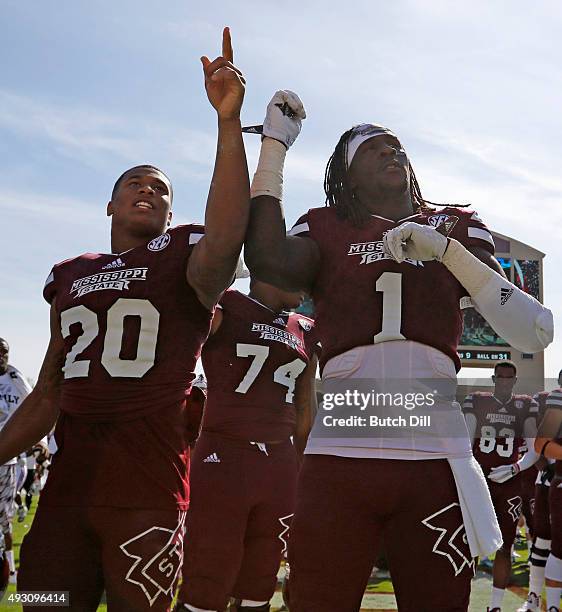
point(89, 89)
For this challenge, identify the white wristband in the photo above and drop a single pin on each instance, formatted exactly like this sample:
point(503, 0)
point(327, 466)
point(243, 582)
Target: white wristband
point(268, 179)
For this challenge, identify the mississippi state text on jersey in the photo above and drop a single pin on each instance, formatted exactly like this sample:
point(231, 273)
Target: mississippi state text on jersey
point(357, 278)
point(499, 427)
point(253, 348)
point(133, 328)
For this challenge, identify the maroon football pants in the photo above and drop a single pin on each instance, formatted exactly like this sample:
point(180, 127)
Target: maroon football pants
point(506, 497)
point(556, 516)
point(135, 555)
point(541, 515)
point(242, 501)
point(528, 478)
point(349, 509)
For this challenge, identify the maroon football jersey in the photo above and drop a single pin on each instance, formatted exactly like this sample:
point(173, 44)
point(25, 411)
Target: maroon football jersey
point(133, 330)
point(499, 427)
point(252, 363)
point(540, 398)
point(362, 296)
point(554, 401)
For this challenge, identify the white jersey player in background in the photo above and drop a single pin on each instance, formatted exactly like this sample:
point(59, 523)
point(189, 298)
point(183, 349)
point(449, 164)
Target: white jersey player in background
point(13, 389)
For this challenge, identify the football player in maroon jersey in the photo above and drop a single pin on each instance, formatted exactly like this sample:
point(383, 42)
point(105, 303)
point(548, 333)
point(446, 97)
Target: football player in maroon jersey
point(540, 549)
point(126, 330)
point(549, 444)
point(387, 288)
point(497, 423)
point(260, 367)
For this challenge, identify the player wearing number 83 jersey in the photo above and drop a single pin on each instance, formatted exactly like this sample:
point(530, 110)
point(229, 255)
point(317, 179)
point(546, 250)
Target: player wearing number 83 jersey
point(500, 427)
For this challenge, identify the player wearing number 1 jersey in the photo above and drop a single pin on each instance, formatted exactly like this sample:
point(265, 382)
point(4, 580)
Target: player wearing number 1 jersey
point(126, 330)
point(499, 423)
point(260, 368)
point(388, 289)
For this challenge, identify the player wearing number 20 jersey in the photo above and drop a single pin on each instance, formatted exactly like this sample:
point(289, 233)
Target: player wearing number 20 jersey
point(126, 330)
point(133, 332)
point(260, 370)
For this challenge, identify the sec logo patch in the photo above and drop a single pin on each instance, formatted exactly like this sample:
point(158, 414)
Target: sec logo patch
point(437, 220)
point(157, 244)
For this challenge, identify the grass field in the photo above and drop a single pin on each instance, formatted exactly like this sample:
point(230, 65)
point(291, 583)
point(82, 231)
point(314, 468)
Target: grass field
point(378, 595)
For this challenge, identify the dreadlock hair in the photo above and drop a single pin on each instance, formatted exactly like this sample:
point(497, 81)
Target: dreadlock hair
point(339, 192)
point(141, 167)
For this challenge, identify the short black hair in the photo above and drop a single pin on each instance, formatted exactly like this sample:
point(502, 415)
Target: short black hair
point(141, 167)
point(4, 342)
point(506, 364)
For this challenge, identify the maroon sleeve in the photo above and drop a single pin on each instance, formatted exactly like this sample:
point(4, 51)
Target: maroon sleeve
point(196, 232)
point(49, 290)
point(471, 231)
point(311, 340)
point(468, 405)
point(301, 227)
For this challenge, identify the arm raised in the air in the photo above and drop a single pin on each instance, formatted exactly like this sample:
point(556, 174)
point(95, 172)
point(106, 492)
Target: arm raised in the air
point(289, 262)
point(213, 261)
point(38, 412)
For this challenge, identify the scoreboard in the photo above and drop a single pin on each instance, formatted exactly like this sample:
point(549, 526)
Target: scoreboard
point(483, 355)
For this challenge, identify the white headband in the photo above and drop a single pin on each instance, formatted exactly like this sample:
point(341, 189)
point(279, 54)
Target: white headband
point(360, 134)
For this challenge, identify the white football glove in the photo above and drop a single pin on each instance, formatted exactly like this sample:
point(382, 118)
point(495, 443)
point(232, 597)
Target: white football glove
point(414, 241)
point(504, 472)
point(283, 119)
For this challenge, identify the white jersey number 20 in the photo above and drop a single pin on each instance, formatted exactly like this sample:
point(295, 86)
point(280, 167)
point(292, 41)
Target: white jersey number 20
point(110, 359)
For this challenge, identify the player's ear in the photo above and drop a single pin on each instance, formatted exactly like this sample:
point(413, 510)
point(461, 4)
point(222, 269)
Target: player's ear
point(110, 210)
point(493, 378)
point(169, 218)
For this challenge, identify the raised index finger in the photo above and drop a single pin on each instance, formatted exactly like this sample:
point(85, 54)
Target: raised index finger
point(227, 45)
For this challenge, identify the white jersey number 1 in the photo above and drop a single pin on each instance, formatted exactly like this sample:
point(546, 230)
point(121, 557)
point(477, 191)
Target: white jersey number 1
point(390, 285)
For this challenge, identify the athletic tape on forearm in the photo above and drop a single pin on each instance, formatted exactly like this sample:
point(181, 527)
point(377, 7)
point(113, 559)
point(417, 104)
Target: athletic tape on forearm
point(513, 314)
point(268, 179)
point(530, 457)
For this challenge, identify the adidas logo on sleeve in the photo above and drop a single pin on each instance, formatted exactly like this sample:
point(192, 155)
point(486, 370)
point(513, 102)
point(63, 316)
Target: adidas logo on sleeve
point(212, 458)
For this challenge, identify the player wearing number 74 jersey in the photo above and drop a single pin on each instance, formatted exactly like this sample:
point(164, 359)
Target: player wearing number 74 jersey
point(126, 330)
point(260, 368)
point(388, 289)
